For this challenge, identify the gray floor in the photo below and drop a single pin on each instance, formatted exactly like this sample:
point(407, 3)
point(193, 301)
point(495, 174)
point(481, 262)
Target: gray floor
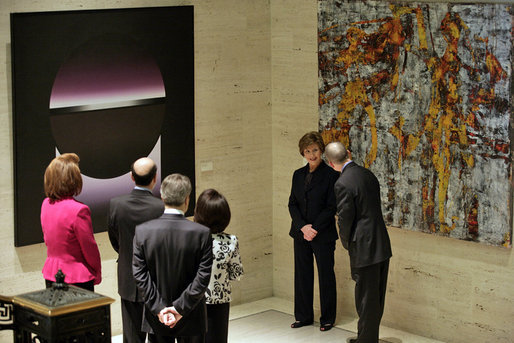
point(274, 326)
point(268, 321)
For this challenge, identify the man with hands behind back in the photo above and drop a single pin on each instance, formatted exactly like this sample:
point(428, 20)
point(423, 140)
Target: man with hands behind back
point(172, 267)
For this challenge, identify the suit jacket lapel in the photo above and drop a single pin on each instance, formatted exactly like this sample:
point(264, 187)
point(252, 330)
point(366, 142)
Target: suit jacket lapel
point(315, 180)
point(306, 175)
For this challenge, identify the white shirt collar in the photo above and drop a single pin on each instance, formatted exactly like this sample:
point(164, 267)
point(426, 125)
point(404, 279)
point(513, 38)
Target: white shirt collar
point(142, 189)
point(344, 165)
point(173, 211)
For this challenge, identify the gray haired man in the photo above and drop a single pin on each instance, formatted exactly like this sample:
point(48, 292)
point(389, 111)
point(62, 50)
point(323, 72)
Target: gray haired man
point(172, 268)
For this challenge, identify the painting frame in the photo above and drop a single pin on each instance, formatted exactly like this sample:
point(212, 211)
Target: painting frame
point(421, 93)
point(40, 43)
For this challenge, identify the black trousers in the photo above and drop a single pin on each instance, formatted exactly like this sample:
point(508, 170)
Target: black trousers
point(304, 253)
point(370, 290)
point(217, 318)
point(132, 317)
point(170, 339)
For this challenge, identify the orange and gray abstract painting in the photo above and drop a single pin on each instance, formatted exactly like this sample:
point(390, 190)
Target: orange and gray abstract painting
point(420, 93)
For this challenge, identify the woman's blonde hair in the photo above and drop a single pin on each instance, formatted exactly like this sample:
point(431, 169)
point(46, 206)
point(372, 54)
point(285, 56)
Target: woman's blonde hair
point(62, 177)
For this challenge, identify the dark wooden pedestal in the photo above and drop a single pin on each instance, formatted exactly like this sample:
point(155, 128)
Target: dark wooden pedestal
point(83, 326)
point(60, 314)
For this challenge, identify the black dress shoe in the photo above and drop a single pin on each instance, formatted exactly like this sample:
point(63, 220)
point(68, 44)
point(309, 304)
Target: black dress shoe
point(299, 324)
point(351, 340)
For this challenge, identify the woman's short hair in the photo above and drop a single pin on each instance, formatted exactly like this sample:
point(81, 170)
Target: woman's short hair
point(62, 177)
point(310, 138)
point(175, 189)
point(212, 210)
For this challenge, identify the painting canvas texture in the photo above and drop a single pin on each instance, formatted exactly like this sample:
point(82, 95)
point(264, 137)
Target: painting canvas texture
point(420, 93)
point(110, 85)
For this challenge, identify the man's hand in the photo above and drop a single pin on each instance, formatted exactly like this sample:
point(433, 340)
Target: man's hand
point(308, 232)
point(169, 316)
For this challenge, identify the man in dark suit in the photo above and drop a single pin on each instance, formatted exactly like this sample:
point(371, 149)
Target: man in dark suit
point(172, 268)
point(126, 212)
point(363, 233)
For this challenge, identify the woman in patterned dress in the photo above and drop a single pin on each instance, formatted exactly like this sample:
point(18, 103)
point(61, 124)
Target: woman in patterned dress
point(212, 210)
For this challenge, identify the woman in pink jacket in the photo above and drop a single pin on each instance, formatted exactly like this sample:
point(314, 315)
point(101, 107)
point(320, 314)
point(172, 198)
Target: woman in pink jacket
point(67, 228)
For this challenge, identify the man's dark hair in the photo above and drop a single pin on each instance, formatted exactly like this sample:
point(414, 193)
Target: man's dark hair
point(143, 180)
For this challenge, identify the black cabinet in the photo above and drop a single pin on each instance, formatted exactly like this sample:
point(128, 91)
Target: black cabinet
point(60, 314)
point(90, 325)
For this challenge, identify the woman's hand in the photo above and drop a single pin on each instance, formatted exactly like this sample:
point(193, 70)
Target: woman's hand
point(308, 232)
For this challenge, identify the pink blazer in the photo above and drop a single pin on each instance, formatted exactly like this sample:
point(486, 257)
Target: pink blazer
point(71, 246)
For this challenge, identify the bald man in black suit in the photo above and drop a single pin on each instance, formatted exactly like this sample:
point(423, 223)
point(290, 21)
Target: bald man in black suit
point(363, 233)
point(125, 213)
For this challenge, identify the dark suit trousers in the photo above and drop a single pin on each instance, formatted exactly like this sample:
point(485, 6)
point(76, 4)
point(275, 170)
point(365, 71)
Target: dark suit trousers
point(217, 317)
point(132, 317)
point(370, 290)
point(304, 253)
point(170, 339)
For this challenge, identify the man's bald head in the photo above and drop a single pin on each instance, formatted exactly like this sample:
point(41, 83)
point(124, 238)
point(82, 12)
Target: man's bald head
point(336, 153)
point(143, 171)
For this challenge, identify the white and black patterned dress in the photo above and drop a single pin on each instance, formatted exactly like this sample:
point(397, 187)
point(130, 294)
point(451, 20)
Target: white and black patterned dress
point(226, 266)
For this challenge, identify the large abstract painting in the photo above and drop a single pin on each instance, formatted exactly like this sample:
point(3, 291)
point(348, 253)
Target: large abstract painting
point(110, 85)
point(421, 95)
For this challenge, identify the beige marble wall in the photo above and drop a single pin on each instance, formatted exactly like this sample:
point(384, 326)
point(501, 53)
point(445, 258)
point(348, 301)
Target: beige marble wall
point(442, 288)
point(295, 112)
point(233, 138)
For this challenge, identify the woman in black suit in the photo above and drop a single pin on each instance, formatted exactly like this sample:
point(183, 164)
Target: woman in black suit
point(312, 207)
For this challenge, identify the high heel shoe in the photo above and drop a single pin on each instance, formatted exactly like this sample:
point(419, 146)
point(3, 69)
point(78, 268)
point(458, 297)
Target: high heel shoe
point(299, 324)
point(326, 327)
